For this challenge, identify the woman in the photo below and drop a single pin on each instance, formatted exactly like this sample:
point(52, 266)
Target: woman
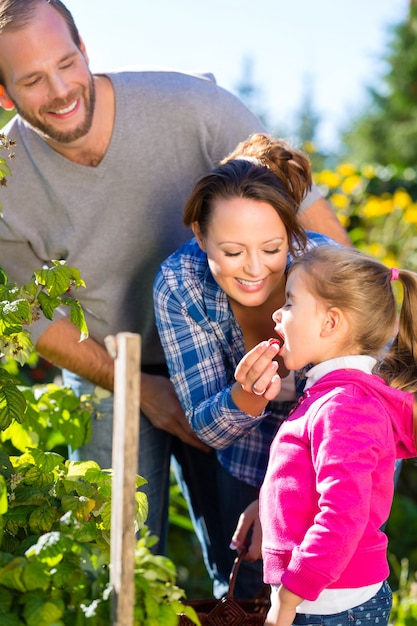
point(214, 300)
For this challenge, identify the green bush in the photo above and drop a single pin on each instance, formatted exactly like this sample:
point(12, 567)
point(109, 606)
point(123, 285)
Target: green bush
point(55, 514)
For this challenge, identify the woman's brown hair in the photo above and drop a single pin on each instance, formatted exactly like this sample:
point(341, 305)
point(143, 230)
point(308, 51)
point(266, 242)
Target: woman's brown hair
point(263, 169)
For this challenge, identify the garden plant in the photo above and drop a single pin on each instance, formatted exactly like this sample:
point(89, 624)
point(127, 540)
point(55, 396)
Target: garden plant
point(55, 514)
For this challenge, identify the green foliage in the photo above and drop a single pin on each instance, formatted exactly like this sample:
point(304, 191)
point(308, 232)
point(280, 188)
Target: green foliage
point(158, 599)
point(55, 547)
point(402, 525)
point(54, 417)
point(386, 131)
point(21, 306)
point(55, 514)
point(55, 540)
point(404, 600)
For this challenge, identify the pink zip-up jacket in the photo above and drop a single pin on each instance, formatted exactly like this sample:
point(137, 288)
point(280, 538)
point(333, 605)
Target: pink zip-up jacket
point(329, 484)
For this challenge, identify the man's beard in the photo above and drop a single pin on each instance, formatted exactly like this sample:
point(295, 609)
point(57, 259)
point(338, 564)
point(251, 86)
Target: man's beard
point(50, 132)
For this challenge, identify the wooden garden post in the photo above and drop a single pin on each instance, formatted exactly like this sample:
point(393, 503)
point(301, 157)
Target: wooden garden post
point(125, 348)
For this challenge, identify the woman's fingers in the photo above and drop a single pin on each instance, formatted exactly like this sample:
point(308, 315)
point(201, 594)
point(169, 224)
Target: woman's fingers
point(262, 382)
point(257, 368)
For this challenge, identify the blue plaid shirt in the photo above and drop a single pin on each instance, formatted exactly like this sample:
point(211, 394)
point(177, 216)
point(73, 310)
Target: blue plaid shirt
point(203, 343)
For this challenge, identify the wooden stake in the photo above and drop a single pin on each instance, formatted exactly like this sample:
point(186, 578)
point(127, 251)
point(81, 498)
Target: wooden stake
point(126, 348)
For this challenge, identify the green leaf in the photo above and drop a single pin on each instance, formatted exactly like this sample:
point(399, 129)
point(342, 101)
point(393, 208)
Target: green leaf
point(59, 279)
point(80, 506)
point(42, 519)
point(81, 469)
point(48, 304)
point(12, 403)
point(4, 168)
point(183, 609)
point(34, 576)
point(3, 496)
point(88, 532)
point(56, 279)
point(18, 515)
point(77, 317)
point(10, 620)
point(47, 461)
point(142, 508)
point(6, 601)
point(19, 436)
point(17, 346)
point(13, 315)
point(3, 277)
point(64, 574)
point(50, 548)
point(11, 575)
point(41, 612)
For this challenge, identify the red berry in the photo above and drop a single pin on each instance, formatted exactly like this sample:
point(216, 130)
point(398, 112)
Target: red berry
point(278, 340)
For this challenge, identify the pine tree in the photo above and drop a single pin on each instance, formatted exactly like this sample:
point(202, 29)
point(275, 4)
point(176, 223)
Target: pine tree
point(387, 131)
point(249, 92)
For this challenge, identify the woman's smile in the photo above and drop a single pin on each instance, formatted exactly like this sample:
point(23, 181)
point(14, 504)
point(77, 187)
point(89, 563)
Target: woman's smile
point(251, 284)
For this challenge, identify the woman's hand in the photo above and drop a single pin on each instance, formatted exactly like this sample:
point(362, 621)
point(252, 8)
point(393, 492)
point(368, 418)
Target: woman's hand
point(248, 521)
point(257, 371)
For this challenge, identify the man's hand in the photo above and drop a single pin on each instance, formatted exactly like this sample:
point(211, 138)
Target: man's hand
point(160, 404)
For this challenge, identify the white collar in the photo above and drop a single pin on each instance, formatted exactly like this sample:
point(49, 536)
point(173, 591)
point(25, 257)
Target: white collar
point(361, 362)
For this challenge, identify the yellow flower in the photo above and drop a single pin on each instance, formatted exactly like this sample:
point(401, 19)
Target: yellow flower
point(410, 215)
point(390, 260)
point(376, 207)
point(328, 178)
point(351, 183)
point(346, 169)
point(339, 200)
point(376, 250)
point(401, 199)
point(368, 171)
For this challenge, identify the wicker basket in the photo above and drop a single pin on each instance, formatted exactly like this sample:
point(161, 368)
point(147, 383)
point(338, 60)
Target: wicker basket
point(229, 611)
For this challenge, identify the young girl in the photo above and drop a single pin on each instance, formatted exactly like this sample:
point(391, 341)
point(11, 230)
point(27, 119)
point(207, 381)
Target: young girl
point(329, 482)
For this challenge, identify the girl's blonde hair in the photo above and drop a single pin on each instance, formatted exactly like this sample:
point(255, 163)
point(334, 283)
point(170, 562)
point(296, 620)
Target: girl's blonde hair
point(361, 286)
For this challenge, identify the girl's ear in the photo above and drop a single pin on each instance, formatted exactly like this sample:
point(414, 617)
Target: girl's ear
point(332, 322)
point(5, 101)
point(195, 226)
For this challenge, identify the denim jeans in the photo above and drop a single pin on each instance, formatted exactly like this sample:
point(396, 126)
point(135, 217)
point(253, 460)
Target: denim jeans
point(215, 499)
point(375, 611)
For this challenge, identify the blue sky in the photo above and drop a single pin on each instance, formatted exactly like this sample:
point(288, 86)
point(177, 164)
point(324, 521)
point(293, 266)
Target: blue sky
point(335, 47)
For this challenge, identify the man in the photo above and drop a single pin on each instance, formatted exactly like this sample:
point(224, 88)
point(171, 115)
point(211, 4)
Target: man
point(102, 170)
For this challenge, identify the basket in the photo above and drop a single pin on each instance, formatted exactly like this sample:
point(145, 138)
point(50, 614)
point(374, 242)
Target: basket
point(229, 611)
